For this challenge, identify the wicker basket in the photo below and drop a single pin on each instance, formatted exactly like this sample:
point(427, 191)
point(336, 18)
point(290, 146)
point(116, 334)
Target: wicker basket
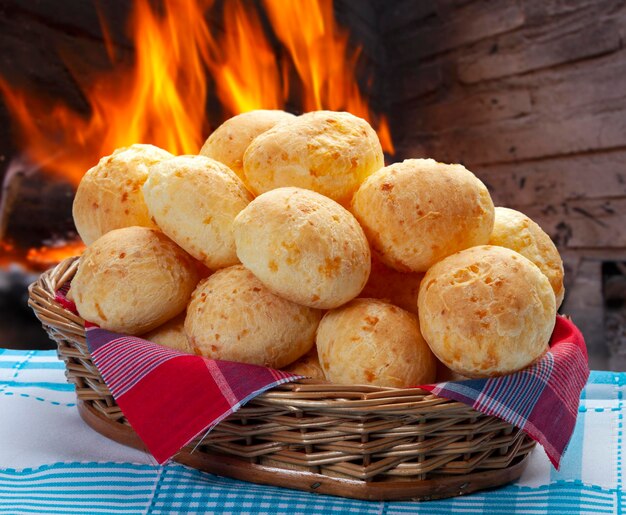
point(362, 442)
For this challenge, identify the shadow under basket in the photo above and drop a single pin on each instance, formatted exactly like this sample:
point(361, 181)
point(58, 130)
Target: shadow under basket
point(363, 442)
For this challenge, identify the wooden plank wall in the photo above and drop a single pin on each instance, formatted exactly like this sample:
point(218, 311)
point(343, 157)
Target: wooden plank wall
point(531, 96)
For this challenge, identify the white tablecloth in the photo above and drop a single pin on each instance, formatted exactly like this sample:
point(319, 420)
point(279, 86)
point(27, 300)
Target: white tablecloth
point(51, 462)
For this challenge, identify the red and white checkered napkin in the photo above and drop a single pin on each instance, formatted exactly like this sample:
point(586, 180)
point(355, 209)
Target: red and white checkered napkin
point(170, 397)
point(542, 399)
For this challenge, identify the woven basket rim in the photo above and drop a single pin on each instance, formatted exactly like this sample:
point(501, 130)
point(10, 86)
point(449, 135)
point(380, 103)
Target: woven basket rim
point(332, 431)
point(302, 393)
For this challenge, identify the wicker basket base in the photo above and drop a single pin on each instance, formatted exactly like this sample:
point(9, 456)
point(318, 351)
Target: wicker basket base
point(222, 465)
point(357, 441)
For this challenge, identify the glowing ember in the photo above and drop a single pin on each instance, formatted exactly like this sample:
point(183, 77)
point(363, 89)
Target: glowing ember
point(7, 253)
point(44, 257)
point(161, 97)
point(40, 258)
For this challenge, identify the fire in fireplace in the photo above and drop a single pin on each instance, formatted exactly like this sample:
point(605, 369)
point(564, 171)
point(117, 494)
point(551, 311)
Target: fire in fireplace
point(181, 78)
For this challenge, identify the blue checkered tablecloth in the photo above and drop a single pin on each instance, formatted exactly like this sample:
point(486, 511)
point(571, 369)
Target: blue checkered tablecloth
point(51, 462)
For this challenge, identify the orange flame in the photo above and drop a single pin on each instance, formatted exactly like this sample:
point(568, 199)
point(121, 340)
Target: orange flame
point(384, 134)
point(158, 101)
point(243, 64)
point(161, 97)
point(321, 55)
point(7, 253)
point(38, 258)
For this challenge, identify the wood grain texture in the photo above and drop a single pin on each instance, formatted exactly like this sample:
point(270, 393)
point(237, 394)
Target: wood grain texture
point(524, 56)
point(555, 179)
point(523, 139)
point(473, 22)
point(536, 107)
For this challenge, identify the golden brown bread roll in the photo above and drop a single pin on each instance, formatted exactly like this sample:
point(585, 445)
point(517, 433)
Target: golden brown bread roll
point(398, 288)
point(304, 247)
point(324, 151)
point(109, 195)
point(516, 231)
point(369, 341)
point(194, 200)
point(308, 365)
point(486, 311)
point(233, 317)
point(171, 334)
point(419, 211)
point(132, 280)
point(228, 143)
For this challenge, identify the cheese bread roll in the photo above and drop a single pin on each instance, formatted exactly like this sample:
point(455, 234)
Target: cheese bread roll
point(516, 231)
point(171, 334)
point(228, 143)
point(194, 200)
point(486, 311)
point(109, 195)
point(324, 151)
point(133, 280)
point(233, 317)
point(304, 247)
point(369, 341)
point(417, 212)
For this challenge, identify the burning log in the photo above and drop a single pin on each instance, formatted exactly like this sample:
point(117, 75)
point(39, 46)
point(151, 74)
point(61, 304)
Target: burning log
point(34, 207)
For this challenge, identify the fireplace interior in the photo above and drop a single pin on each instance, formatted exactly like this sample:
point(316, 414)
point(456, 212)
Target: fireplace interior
point(529, 95)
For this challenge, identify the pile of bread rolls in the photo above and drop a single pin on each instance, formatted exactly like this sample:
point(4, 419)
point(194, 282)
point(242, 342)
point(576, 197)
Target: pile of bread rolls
point(287, 243)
